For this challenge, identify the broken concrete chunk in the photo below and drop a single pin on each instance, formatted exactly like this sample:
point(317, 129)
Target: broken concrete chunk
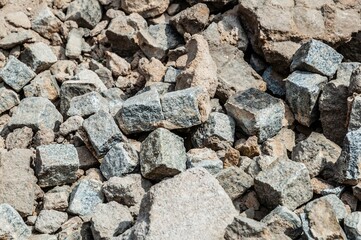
point(87, 104)
point(206, 158)
point(302, 92)
point(284, 183)
point(171, 75)
point(18, 19)
point(317, 57)
point(85, 197)
point(103, 132)
point(43, 85)
point(121, 159)
point(16, 74)
point(49, 221)
point(8, 99)
point(162, 155)
point(38, 56)
point(12, 225)
point(56, 164)
point(34, 112)
point(87, 13)
point(257, 113)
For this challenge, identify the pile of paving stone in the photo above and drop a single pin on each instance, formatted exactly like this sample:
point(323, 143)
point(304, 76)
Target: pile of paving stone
point(173, 119)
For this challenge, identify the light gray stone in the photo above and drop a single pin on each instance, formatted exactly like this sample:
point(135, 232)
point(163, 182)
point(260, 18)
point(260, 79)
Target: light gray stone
point(87, 104)
point(103, 132)
point(302, 92)
point(336, 203)
point(257, 113)
point(85, 197)
point(35, 112)
point(74, 45)
point(19, 138)
point(171, 75)
point(317, 153)
point(284, 183)
point(49, 221)
point(206, 158)
point(43, 85)
point(217, 133)
point(13, 39)
point(317, 57)
point(162, 155)
point(200, 208)
point(56, 164)
point(45, 23)
point(38, 56)
point(16, 74)
point(8, 99)
point(12, 225)
point(121, 159)
point(103, 226)
point(234, 181)
point(87, 13)
point(72, 124)
point(352, 225)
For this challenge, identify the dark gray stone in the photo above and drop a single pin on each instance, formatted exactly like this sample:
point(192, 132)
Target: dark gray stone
point(87, 13)
point(158, 39)
point(12, 225)
point(38, 56)
point(35, 112)
point(16, 74)
point(102, 131)
point(8, 99)
point(162, 155)
point(317, 57)
point(45, 23)
point(87, 104)
point(85, 197)
point(121, 159)
point(257, 113)
point(354, 119)
point(275, 82)
point(284, 183)
point(302, 92)
point(56, 164)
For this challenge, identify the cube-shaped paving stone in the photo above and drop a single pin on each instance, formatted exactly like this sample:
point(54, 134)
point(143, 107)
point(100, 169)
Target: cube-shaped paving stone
point(8, 99)
point(38, 56)
point(56, 164)
point(16, 74)
point(87, 104)
point(302, 92)
point(257, 113)
point(217, 132)
point(143, 112)
point(121, 159)
point(34, 112)
point(85, 197)
point(162, 155)
point(285, 183)
point(102, 131)
point(87, 13)
point(317, 57)
point(185, 108)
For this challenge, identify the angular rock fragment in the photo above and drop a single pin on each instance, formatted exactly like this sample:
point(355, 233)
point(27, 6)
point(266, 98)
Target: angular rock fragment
point(317, 153)
point(257, 113)
point(352, 225)
point(182, 195)
point(206, 158)
point(354, 121)
point(217, 133)
point(317, 57)
point(87, 104)
point(120, 160)
point(162, 155)
point(20, 138)
point(87, 13)
point(8, 99)
point(275, 82)
point(56, 164)
point(145, 8)
point(248, 147)
point(14, 39)
point(35, 112)
point(16, 74)
point(74, 45)
point(38, 56)
point(102, 226)
point(45, 23)
point(284, 183)
point(18, 19)
point(49, 221)
point(119, 66)
point(57, 198)
point(103, 132)
point(85, 197)
point(17, 181)
point(86, 158)
point(12, 225)
point(302, 92)
point(43, 85)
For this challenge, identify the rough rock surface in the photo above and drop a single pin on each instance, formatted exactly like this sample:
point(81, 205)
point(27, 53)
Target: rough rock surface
point(12, 225)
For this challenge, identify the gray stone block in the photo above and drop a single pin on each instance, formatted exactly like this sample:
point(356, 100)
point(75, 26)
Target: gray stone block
point(87, 104)
point(8, 99)
point(162, 155)
point(302, 92)
point(49, 221)
point(102, 131)
point(34, 112)
point(121, 159)
point(16, 74)
point(317, 57)
point(354, 119)
point(284, 183)
point(257, 113)
point(352, 225)
point(171, 75)
point(56, 164)
point(43, 85)
point(38, 56)
point(205, 158)
point(12, 225)
point(87, 13)
point(85, 197)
